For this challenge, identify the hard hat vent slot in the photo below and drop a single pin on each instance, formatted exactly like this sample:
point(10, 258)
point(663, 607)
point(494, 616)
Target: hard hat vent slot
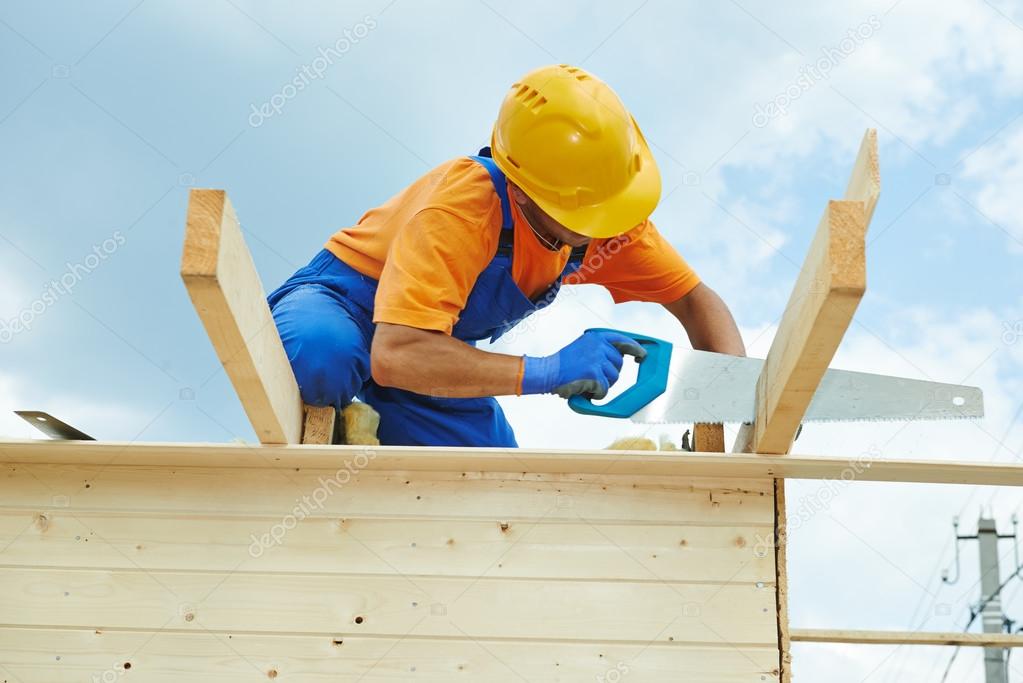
point(530, 97)
point(513, 162)
point(579, 74)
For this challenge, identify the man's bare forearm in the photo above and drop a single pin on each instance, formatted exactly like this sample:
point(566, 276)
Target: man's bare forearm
point(433, 363)
point(430, 362)
point(708, 322)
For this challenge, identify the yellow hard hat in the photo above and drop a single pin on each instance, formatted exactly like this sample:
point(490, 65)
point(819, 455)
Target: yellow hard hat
point(565, 138)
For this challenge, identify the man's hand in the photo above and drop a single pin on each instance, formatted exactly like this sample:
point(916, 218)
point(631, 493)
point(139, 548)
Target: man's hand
point(430, 362)
point(589, 365)
point(708, 322)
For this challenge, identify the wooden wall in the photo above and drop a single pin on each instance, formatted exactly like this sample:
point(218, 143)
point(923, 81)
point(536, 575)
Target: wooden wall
point(157, 573)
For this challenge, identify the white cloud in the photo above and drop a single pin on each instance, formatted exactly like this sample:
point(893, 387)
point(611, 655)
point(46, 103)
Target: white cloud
point(15, 295)
point(920, 78)
point(98, 418)
point(12, 426)
point(998, 171)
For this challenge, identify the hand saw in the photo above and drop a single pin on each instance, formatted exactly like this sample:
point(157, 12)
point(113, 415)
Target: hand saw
point(684, 386)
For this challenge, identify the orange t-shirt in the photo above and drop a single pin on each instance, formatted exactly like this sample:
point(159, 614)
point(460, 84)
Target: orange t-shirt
point(428, 243)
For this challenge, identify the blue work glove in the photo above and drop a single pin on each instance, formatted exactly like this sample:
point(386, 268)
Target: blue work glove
point(589, 365)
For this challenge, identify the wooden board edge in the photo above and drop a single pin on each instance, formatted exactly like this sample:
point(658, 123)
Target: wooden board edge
point(864, 637)
point(865, 180)
point(709, 437)
point(781, 582)
point(538, 461)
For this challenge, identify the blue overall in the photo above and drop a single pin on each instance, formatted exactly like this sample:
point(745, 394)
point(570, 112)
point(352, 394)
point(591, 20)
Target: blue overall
point(324, 313)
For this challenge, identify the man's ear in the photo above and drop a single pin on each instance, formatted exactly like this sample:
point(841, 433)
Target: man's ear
point(518, 195)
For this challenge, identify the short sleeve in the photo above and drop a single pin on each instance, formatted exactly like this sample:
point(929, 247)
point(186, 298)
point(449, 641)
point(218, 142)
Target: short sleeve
point(638, 266)
point(431, 267)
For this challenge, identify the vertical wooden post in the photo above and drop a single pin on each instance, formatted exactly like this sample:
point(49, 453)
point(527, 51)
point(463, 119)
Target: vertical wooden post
point(321, 425)
point(709, 438)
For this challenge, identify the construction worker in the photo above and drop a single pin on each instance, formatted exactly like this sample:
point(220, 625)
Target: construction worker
point(389, 312)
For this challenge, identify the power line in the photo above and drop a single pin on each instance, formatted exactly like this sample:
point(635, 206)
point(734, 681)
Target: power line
point(975, 612)
point(892, 669)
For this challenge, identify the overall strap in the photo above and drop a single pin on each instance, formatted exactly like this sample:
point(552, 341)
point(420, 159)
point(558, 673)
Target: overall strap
point(500, 185)
point(506, 242)
point(575, 260)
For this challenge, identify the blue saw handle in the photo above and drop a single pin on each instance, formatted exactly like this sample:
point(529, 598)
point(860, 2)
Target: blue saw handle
point(651, 380)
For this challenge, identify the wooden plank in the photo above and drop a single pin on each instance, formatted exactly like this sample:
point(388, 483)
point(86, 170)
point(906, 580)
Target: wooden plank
point(280, 494)
point(746, 467)
point(828, 290)
point(865, 180)
point(815, 635)
point(636, 552)
point(320, 425)
point(227, 294)
point(826, 294)
point(168, 656)
point(395, 605)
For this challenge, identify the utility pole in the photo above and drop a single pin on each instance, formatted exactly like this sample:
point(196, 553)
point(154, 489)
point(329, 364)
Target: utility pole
point(990, 605)
point(991, 615)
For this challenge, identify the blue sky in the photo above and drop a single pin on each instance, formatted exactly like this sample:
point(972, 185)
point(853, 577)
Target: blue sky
point(110, 112)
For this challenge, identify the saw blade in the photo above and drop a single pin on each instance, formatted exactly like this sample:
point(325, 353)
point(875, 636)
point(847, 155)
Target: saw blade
point(717, 388)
